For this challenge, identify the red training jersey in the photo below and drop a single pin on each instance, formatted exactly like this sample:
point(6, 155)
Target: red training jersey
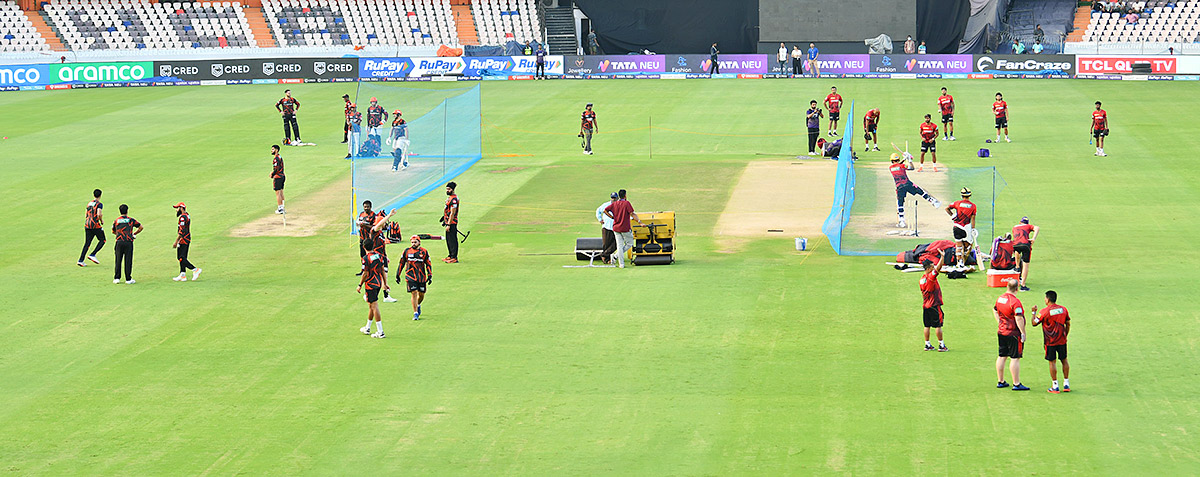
point(1009, 307)
point(872, 117)
point(929, 132)
point(964, 211)
point(366, 220)
point(185, 229)
point(1021, 233)
point(1099, 119)
point(931, 292)
point(420, 268)
point(277, 167)
point(833, 102)
point(373, 263)
point(376, 115)
point(123, 227)
point(899, 173)
point(91, 217)
point(450, 213)
point(935, 249)
point(287, 105)
point(1002, 256)
point(348, 103)
point(1056, 323)
point(589, 119)
point(1000, 108)
point(946, 103)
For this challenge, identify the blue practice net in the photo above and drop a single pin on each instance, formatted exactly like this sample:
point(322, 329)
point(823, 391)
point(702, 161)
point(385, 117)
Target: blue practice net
point(443, 141)
point(864, 219)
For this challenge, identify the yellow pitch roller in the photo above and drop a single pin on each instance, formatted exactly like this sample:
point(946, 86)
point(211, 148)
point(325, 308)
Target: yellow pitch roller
point(654, 242)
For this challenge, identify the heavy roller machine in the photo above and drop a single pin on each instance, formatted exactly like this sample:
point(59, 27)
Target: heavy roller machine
point(654, 242)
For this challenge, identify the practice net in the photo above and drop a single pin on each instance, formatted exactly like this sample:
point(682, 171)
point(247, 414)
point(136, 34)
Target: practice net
point(864, 218)
point(443, 129)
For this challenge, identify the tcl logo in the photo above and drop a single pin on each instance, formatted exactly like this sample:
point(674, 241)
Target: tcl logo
point(1113, 65)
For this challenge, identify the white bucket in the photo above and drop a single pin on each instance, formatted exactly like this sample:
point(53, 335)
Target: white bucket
point(801, 244)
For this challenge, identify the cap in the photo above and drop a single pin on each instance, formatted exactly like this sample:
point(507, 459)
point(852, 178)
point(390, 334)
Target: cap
point(589, 104)
point(1025, 220)
point(895, 157)
point(396, 112)
point(965, 192)
point(346, 96)
point(179, 206)
point(613, 195)
point(373, 100)
point(415, 237)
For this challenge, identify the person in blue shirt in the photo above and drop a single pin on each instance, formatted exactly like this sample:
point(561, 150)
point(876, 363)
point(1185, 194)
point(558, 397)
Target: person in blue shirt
point(714, 67)
point(541, 62)
point(813, 120)
point(1018, 47)
point(606, 231)
point(1037, 47)
point(398, 139)
point(921, 49)
point(813, 53)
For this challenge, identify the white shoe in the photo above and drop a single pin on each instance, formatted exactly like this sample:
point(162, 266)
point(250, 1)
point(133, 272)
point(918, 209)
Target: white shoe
point(1006, 139)
point(366, 330)
point(1102, 154)
point(812, 153)
point(181, 278)
point(81, 264)
point(902, 224)
point(196, 273)
point(378, 335)
point(116, 281)
point(951, 138)
point(388, 299)
point(279, 210)
point(130, 282)
point(936, 204)
point(876, 148)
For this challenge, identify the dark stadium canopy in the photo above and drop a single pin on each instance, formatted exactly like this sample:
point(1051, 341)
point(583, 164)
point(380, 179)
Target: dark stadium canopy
point(673, 26)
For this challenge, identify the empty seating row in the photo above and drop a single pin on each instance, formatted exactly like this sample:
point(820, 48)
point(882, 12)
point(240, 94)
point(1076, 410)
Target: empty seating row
point(501, 21)
point(16, 32)
point(142, 24)
point(360, 22)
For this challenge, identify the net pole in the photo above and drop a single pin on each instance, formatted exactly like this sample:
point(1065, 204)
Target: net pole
point(651, 137)
point(445, 126)
point(993, 228)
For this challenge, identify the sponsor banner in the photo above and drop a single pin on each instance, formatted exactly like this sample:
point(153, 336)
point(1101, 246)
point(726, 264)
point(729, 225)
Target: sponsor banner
point(829, 65)
point(33, 88)
point(100, 72)
point(264, 81)
point(921, 64)
point(929, 76)
point(249, 69)
point(24, 75)
point(1086, 64)
point(614, 64)
point(1177, 78)
point(1029, 64)
point(370, 68)
point(510, 65)
point(750, 64)
point(10, 88)
point(436, 66)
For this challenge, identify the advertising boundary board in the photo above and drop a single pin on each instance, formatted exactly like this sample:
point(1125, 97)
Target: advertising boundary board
point(57, 76)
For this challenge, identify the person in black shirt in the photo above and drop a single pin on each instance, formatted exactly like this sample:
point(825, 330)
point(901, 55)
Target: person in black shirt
point(813, 120)
point(124, 233)
point(541, 62)
point(713, 67)
point(287, 107)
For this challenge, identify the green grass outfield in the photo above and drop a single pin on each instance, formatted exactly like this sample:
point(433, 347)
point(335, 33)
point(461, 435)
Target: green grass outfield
point(766, 361)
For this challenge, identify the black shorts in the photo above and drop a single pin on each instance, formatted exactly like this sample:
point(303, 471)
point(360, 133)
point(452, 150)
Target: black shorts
point(948, 118)
point(960, 234)
point(1024, 250)
point(835, 115)
point(934, 317)
point(416, 286)
point(279, 183)
point(1010, 346)
point(1001, 122)
point(1099, 133)
point(1056, 352)
point(372, 295)
point(871, 128)
point(930, 146)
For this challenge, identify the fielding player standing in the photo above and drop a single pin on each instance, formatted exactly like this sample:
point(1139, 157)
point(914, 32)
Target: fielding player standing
point(355, 120)
point(278, 177)
point(346, 130)
point(1056, 324)
point(1023, 235)
point(931, 295)
point(904, 187)
point(929, 132)
point(124, 233)
point(587, 127)
point(398, 139)
point(1010, 333)
point(1099, 128)
point(366, 221)
point(946, 105)
point(183, 241)
point(833, 102)
point(376, 115)
point(1000, 107)
point(373, 277)
point(870, 125)
point(419, 273)
point(450, 222)
point(962, 213)
point(287, 107)
point(93, 227)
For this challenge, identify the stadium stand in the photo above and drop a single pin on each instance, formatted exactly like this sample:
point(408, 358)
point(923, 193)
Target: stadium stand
point(1152, 21)
point(1055, 17)
point(125, 24)
point(17, 33)
point(360, 22)
point(501, 21)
